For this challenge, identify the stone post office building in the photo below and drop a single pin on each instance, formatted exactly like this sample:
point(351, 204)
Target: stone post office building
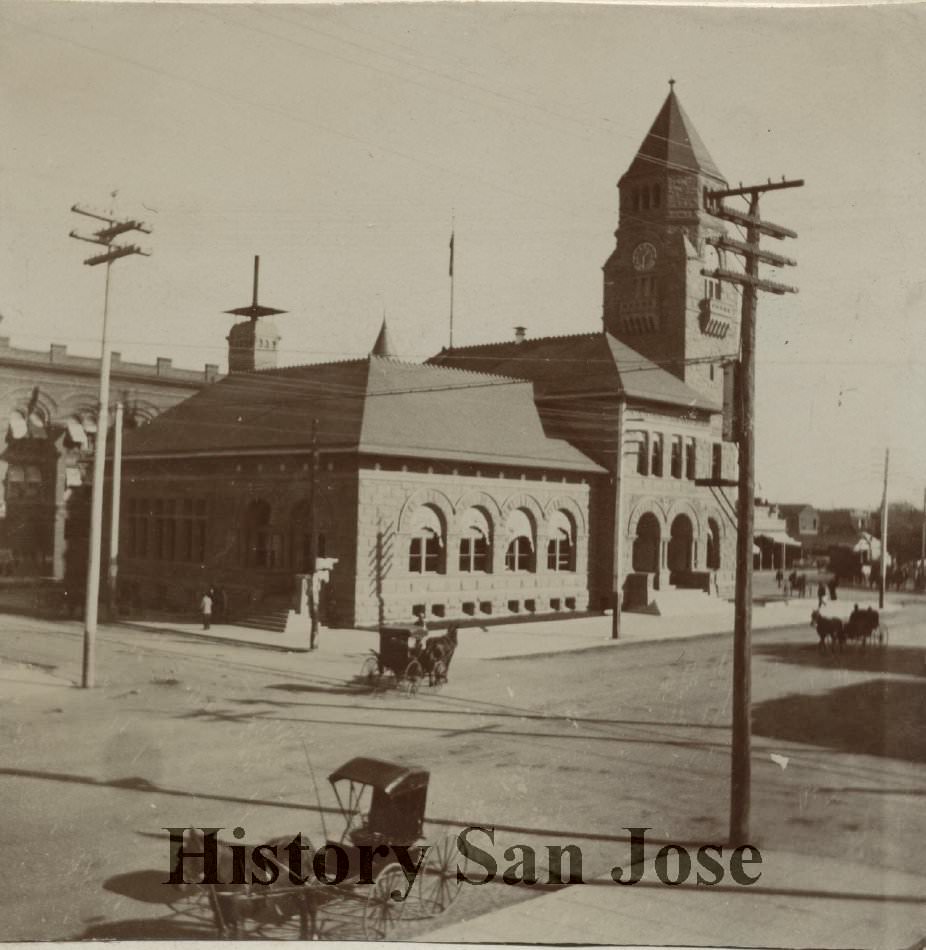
point(482, 482)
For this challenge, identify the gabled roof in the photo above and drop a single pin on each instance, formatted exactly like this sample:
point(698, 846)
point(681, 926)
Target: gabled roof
point(673, 143)
point(579, 364)
point(372, 405)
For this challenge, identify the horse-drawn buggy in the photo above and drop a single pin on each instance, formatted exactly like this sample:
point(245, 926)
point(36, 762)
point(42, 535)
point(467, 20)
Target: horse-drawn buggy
point(861, 626)
point(408, 656)
point(379, 872)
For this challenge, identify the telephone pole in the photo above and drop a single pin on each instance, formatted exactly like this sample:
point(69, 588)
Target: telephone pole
point(113, 573)
point(883, 584)
point(616, 592)
point(105, 236)
point(751, 284)
point(313, 547)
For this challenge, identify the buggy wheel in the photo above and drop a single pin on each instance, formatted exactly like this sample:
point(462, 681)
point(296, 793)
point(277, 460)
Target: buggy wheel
point(385, 904)
point(438, 675)
point(411, 678)
point(370, 672)
point(439, 880)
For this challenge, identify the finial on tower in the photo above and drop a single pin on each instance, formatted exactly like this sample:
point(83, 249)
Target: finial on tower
point(671, 85)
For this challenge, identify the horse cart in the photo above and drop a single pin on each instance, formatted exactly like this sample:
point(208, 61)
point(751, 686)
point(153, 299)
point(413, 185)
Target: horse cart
point(407, 657)
point(355, 888)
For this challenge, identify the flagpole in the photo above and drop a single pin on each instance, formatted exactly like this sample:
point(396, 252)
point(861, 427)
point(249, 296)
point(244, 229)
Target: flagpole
point(452, 229)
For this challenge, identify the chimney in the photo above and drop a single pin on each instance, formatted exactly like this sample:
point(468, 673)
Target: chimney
point(520, 334)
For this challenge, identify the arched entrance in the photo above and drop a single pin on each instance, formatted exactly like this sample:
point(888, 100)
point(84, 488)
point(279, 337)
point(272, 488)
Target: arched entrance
point(678, 556)
point(646, 545)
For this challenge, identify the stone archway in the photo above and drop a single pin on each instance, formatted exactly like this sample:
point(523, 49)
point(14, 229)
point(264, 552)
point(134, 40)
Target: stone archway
point(679, 554)
point(646, 544)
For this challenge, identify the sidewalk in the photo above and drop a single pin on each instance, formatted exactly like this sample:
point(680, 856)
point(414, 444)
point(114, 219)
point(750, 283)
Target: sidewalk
point(799, 901)
point(527, 639)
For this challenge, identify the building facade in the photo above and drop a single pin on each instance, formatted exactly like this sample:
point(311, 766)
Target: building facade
point(49, 400)
point(435, 490)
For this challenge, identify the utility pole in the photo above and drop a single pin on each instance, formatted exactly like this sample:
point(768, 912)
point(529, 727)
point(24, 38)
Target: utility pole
point(313, 547)
point(923, 536)
point(616, 592)
point(452, 236)
point(113, 574)
point(883, 584)
point(105, 236)
point(751, 283)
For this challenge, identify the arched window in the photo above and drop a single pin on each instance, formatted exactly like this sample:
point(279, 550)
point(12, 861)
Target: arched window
point(561, 546)
point(520, 531)
point(475, 542)
point(426, 548)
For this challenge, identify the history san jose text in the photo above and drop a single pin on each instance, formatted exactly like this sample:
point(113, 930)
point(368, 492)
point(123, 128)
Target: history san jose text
point(520, 864)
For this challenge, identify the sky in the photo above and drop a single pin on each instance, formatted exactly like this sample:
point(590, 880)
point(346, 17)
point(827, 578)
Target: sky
point(339, 142)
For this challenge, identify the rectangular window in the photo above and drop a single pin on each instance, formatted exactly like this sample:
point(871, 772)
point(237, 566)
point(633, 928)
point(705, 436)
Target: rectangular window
point(186, 530)
point(474, 555)
point(643, 454)
point(656, 456)
point(157, 529)
point(169, 532)
point(131, 526)
point(690, 459)
point(676, 456)
point(717, 461)
point(141, 540)
point(424, 555)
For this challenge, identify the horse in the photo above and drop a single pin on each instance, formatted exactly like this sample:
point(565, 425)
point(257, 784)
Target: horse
point(827, 627)
point(440, 649)
point(239, 906)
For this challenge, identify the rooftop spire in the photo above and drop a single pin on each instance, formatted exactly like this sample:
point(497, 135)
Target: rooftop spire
point(255, 310)
point(383, 344)
point(673, 144)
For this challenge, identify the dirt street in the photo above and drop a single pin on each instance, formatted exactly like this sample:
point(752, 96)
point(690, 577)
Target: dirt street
point(571, 748)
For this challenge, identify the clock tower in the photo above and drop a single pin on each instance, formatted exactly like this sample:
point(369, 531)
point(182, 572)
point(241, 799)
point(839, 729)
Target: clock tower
point(656, 299)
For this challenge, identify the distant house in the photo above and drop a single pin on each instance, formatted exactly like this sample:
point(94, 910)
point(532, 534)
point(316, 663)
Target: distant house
point(776, 548)
point(802, 522)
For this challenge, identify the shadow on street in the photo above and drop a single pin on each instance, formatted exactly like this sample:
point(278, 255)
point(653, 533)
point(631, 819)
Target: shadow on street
point(881, 717)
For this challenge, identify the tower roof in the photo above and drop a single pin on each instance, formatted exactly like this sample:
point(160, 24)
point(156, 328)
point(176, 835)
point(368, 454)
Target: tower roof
point(383, 345)
point(673, 143)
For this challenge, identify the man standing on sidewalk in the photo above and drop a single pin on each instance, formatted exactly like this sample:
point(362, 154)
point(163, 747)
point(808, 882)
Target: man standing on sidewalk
point(205, 606)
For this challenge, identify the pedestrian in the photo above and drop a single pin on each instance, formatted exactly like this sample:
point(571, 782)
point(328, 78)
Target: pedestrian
point(821, 596)
point(779, 574)
point(832, 587)
point(205, 606)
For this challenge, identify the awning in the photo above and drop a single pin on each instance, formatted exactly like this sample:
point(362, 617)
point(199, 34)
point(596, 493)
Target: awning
point(778, 536)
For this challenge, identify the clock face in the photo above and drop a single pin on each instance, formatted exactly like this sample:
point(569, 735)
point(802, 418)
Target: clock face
point(644, 256)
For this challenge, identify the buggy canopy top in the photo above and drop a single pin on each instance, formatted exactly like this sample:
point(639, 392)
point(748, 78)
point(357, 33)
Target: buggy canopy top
point(390, 777)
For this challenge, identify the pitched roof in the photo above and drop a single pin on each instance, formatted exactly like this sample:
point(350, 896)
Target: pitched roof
point(673, 143)
point(372, 405)
point(582, 363)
